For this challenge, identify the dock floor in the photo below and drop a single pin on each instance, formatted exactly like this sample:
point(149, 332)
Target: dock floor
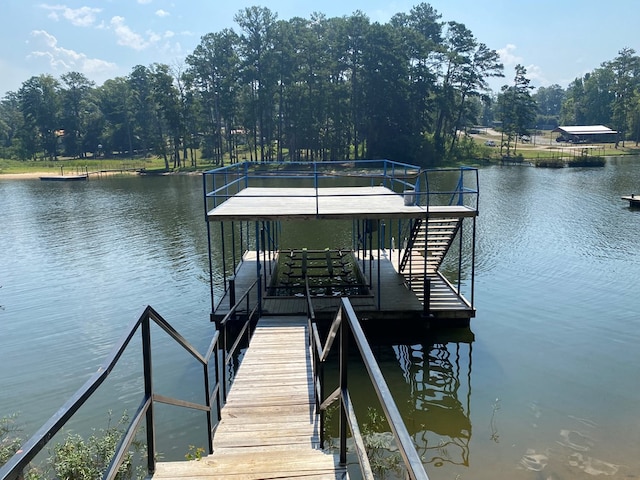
point(396, 299)
point(269, 427)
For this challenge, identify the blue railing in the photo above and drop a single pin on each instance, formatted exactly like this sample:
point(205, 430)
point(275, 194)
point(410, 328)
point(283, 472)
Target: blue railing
point(425, 184)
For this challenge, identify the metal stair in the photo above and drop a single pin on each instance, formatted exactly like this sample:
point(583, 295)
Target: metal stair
point(428, 244)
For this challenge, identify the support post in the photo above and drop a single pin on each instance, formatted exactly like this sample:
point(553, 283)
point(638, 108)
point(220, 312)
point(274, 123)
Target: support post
point(148, 393)
point(344, 355)
point(427, 296)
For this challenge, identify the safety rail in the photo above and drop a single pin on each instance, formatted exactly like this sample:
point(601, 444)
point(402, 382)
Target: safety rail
point(424, 184)
point(17, 464)
point(344, 326)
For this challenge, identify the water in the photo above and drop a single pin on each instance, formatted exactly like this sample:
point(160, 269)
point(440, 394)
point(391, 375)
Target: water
point(547, 388)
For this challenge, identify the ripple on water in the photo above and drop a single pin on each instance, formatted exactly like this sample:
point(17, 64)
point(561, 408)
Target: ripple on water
point(536, 462)
point(592, 466)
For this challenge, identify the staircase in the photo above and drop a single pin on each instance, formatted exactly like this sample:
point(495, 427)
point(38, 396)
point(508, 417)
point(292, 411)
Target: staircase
point(435, 236)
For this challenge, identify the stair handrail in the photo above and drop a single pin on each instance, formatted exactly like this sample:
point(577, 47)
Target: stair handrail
point(344, 326)
point(13, 469)
point(415, 229)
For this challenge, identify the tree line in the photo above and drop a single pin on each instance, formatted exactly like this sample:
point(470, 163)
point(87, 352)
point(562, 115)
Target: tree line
point(305, 89)
point(302, 89)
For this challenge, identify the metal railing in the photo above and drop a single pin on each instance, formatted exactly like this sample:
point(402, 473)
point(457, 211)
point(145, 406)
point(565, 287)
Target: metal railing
point(222, 183)
point(346, 325)
point(144, 415)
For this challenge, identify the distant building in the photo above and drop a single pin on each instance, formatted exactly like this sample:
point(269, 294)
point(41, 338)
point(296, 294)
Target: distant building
point(585, 134)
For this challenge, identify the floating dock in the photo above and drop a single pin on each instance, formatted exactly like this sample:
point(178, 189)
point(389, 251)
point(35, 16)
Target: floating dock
point(64, 178)
point(634, 200)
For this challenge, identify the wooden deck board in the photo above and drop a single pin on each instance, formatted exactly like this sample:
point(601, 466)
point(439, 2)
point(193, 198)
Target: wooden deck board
point(269, 427)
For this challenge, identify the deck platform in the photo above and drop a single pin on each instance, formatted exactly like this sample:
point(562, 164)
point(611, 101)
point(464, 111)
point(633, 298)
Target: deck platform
point(269, 427)
point(255, 203)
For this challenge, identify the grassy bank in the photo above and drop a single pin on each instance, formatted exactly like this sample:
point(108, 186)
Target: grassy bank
point(67, 166)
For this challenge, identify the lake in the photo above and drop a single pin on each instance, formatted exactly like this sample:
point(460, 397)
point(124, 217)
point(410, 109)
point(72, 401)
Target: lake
point(545, 383)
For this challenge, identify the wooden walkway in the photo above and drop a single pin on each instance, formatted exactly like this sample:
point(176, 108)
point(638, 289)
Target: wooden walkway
point(269, 427)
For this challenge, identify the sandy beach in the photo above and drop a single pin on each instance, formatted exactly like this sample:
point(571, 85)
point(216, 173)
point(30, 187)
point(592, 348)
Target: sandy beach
point(23, 176)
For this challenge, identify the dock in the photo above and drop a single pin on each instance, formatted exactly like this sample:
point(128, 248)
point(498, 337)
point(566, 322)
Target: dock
point(634, 200)
point(64, 178)
point(405, 236)
point(269, 427)
point(396, 299)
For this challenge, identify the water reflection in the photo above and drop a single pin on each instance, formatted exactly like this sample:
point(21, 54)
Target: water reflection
point(437, 398)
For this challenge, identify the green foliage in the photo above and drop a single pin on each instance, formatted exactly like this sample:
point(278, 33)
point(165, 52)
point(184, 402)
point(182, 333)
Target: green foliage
point(10, 439)
point(75, 458)
point(302, 89)
point(80, 459)
point(195, 453)
point(550, 163)
point(587, 161)
point(379, 442)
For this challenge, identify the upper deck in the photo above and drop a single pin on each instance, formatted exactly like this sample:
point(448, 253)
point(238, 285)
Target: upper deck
point(263, 203)
point(338, 190)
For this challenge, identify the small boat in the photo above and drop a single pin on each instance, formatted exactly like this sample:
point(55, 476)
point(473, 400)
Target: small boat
point(64, 178)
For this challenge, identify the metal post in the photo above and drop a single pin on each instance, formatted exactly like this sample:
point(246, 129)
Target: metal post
point(223, 334)
point(344, 352)
point(207, 400)
point(427, 296)
point(232, 291)
point(148, 393)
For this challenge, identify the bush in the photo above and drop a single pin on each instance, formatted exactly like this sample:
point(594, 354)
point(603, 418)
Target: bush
point(550, 163)
point(81, 459)
point(587, 161)
point(10, 439)
point(75, 458)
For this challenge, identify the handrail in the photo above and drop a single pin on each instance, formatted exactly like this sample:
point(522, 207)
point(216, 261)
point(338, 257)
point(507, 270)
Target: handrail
point(13, 469)
point(345, 325)
point(223, 183)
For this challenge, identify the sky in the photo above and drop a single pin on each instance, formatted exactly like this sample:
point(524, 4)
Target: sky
point(556, 41)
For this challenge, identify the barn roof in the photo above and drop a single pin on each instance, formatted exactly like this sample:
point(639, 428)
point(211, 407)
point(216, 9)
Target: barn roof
point(585, 130)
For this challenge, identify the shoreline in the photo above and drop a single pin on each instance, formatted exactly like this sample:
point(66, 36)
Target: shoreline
point(23, 176)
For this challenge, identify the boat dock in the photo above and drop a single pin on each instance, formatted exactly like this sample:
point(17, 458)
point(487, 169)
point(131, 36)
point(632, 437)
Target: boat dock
point(398, 264)
point(270, 426)
point(634, 200)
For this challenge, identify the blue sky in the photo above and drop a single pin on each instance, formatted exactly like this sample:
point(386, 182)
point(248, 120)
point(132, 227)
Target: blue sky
point(555, 41)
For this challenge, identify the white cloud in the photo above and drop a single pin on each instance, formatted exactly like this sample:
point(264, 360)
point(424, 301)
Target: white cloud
point(127, 37)
point(144, 2)
point(162, 13)
point(508, 56)
point(79, 17)
point(535, 74)
point(63, 59)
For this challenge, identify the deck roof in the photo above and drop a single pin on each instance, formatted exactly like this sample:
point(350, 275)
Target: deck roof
point(259, 203)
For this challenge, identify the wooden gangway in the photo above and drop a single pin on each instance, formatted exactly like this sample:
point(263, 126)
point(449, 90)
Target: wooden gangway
point(269, 427)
